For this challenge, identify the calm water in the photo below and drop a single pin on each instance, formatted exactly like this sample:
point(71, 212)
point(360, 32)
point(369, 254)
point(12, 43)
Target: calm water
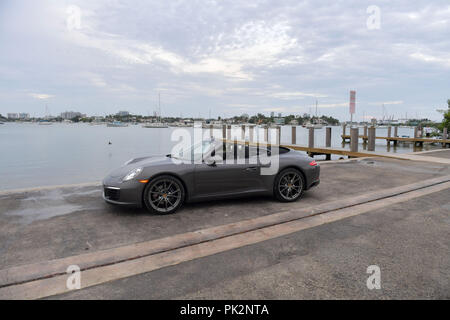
point(35, 155)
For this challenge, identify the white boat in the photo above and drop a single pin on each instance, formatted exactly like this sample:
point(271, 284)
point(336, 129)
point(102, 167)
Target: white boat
point(316, 125)
point(216, 124)
point(155, 125)
point(181, 124)
point(45, 123)
point(116, 124)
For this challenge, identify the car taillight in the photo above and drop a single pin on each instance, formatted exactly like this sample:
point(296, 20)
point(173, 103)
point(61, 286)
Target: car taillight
point(313, 163)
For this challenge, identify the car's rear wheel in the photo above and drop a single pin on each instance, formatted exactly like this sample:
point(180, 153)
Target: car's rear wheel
point(289, 185)
point(164, 195)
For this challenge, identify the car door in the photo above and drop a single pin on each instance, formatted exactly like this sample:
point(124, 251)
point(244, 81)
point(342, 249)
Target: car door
point(226, 177)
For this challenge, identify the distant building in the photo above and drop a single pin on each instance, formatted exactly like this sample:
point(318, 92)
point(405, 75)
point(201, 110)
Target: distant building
point(293, 122)
point(279, 121)
point(13, 116)
point(24, 116)
point(272, 114)
point(71, 114)
point(123, 113)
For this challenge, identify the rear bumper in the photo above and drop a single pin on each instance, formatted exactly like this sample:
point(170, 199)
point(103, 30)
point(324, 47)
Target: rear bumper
point(313, 177)
point(314, 184)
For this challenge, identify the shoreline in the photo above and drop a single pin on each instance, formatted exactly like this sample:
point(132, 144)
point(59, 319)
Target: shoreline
point(6, 192)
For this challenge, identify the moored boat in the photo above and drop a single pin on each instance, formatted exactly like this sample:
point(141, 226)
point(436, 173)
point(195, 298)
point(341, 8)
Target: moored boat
point(116, 124)
point(155, 125)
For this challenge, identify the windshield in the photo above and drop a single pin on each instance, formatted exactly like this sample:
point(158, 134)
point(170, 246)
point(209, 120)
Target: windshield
point(194, 152)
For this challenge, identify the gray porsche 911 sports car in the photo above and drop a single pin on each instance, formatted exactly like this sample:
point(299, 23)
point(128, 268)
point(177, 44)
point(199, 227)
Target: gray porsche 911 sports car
point(210, 170)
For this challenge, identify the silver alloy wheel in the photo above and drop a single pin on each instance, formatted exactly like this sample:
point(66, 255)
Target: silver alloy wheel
point(164, 195)
point(290, 186)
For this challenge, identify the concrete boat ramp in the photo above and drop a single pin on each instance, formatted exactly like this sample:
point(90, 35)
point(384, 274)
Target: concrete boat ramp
point(391, 213)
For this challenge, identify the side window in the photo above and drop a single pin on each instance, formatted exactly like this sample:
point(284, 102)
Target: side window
point(252, 152)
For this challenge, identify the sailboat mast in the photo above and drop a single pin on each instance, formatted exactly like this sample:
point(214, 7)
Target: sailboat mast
point(159, 105)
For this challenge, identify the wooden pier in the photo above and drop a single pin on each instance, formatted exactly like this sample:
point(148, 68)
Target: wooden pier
point(328, 151)
point(418, 140)
point(395, 140)
point(368, 137)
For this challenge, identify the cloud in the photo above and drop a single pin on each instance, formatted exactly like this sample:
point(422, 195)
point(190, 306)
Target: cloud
point(41, 96)
point(253, 44)
point(296, 95)
point(334, 105)
point(385, 103)
point(227, 55)
point(443, 60)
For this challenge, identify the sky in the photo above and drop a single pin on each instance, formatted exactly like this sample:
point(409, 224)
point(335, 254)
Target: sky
point(226, 58)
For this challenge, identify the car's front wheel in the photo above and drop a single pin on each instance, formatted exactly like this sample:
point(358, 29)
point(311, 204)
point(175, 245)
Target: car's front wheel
point(289, 185)
point(164, 195)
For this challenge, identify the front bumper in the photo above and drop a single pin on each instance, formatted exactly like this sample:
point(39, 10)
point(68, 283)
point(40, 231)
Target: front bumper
point(127, 194)
point(114, 200)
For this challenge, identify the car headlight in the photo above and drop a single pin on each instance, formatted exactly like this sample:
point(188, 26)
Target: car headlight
point(132, 174)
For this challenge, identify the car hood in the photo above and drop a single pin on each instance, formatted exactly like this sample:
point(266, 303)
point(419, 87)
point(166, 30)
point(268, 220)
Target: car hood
point(139, 162)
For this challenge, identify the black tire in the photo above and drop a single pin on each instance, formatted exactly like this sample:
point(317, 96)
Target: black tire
point(164, 195)
point(289, 185)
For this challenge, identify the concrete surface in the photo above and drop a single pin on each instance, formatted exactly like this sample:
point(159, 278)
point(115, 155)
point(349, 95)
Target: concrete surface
point(410, 242)
point(51, 223)
point(440, 154)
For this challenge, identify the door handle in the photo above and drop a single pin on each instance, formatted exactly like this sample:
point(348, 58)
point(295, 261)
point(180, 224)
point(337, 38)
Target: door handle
point(250, 169)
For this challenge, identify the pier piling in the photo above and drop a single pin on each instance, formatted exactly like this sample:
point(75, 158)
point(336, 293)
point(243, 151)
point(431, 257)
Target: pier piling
point(294, 135)
point(279, 135)
point(328, 141)
point(224, 131)
point(328, 137)
point(418, 133)
point(354, 135)
point(365, 135)
point(311, 138)
point(395, 135)
point(444, 136)
point(389, 134)
point(371, 139)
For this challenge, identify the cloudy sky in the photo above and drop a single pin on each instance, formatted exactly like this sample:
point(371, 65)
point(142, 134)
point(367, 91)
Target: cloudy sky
point(225, 57)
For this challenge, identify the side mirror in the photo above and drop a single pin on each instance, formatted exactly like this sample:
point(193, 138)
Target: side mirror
point(211, 161)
